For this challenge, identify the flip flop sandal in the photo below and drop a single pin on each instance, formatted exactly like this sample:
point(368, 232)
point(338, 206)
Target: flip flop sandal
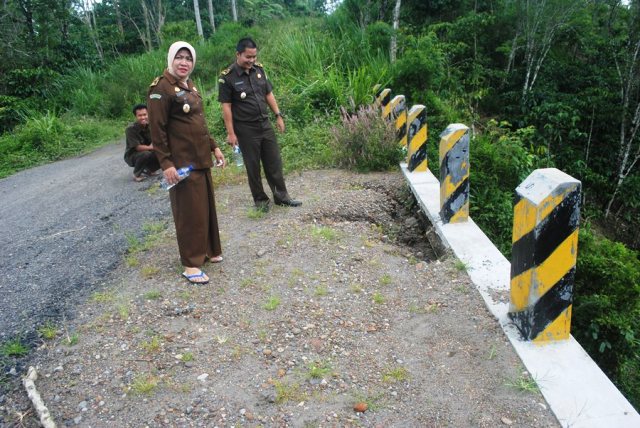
point(216, 259)
point(195, 276)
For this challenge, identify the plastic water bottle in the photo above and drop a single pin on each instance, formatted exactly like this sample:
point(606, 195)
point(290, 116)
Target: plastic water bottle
point(237, 155)
point(182, 174)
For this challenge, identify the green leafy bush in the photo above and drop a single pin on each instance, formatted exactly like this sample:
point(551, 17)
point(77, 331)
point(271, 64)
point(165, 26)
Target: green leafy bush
point(606, 309)
point(366, 142)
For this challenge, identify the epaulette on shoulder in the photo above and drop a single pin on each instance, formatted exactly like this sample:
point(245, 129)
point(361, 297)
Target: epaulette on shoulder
point(259, 65)
point(155, 81)
point(225, 71)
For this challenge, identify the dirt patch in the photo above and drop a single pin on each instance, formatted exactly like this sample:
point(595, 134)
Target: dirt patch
point(313, 310)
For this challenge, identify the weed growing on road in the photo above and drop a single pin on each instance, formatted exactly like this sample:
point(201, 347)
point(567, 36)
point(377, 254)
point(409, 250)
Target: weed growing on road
point(256, 213)
point(385, 279)
point(288, 392)
point(152, 295)
point(395, 374)
point(319, 369)
point(460, 266)
point(492, 352)
point(123, 311)
point(71, 339)
point(14, 348)
point(102, 297)
point(144, 384)
point(323, 232)
point(149, 271)
point(152, 345)
point(378, 298)
point(186, 357)
point(48, 331)
point(524, 383)
point(321, 290)
point(272, 303)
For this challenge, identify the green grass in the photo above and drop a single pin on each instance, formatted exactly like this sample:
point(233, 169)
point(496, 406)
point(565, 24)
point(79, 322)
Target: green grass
point(272, 304)
point(324, 232)
point(48, 331)
point(254, 213)
point(395, 374)
point(386, 279)
point(151, 346)
point(318, 370)
point(72, 339)
point(14, 348)
point(186, 357)
point(378, 298)
point(288, 392)
point(523, 383)
point(102, 297)
point(144, 384)
point(152, 295)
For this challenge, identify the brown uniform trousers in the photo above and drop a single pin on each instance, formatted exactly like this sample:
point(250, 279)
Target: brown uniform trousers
point(258, 142)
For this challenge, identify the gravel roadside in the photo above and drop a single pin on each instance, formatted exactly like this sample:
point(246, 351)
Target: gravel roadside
point(315, 310)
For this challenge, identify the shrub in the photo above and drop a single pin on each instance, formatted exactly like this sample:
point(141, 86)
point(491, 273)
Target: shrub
point(606, 309)
point(366, 142)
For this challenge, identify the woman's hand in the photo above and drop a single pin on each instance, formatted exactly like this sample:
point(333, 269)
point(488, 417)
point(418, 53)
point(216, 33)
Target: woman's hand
point(217, 153)
point(171, 175)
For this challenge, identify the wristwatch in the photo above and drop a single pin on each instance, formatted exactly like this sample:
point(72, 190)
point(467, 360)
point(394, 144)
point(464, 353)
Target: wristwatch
point(280, 114)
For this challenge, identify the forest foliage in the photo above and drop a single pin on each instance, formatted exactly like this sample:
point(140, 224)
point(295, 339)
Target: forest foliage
point(553, 83)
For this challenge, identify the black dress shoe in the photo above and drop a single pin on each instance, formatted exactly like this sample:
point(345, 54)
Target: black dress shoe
point(289, 203)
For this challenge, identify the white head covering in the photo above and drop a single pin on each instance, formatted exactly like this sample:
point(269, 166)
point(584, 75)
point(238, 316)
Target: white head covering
point(173, 51)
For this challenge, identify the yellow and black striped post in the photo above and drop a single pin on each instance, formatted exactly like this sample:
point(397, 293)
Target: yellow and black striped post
point(383, 100)
point(417, 139)
point(543, 261)
point(454, 174)
point(399, 115)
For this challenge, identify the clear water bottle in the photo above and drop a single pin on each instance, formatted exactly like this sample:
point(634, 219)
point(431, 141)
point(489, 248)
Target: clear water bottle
point(182, 174)
point(237, 155)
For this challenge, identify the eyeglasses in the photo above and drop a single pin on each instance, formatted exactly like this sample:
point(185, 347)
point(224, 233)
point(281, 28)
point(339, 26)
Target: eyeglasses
point(183, 58)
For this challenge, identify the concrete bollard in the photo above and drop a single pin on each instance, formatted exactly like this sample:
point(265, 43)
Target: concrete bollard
point(383, 99)
point(545, 247)
point(454, 174)
point(399, 116)
point(417, 139)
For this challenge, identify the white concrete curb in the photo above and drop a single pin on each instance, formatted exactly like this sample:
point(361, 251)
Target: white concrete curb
point(577, 391)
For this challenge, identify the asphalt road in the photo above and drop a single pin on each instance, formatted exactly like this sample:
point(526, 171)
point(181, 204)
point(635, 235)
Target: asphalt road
point(63, 229)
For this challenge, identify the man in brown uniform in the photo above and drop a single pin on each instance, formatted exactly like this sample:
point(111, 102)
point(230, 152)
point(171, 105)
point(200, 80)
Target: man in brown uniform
point(139, 153)
point(181, 138)
point(246, 95)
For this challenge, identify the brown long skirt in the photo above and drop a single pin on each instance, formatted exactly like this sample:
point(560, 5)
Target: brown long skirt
point(194, 214)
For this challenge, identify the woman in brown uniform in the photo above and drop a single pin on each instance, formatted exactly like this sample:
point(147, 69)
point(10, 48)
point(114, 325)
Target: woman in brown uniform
point(180, 138)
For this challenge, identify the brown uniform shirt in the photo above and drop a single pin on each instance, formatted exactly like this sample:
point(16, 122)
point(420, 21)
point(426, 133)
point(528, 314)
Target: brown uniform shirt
point(246, 91)
point(136, 135)
point(178, 127)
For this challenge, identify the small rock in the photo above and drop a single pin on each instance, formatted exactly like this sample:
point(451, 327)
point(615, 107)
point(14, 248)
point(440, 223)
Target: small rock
point(188, 410)
point(267, 352)
point(282, 372)
point(506, 421)
point(243, 412)
point(77, 420)
point(58, 369)
point(203, 377)
point(82, 405)
point(261, 252)
point(360, 407)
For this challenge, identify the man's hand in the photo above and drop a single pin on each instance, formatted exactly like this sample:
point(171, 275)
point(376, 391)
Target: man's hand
point(280, 123)
point(232, 139)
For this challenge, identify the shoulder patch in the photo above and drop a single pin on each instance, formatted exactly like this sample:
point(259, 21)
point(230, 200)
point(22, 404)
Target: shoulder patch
point(155, 96)
point(259, 65)
point(220, 80)
point(225, 71)
point(156, 80)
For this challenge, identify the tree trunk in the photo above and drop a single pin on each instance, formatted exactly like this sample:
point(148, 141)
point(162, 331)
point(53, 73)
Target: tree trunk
point(147, 26)
point(116, 6)
point(196, 9)
point(393, 49)
point(234, 10)
point(212, 20)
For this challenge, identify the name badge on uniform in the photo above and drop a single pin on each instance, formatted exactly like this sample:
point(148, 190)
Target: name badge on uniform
point(243, 95)
point(176, 89)
point(186, 108)
point(259, 76)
